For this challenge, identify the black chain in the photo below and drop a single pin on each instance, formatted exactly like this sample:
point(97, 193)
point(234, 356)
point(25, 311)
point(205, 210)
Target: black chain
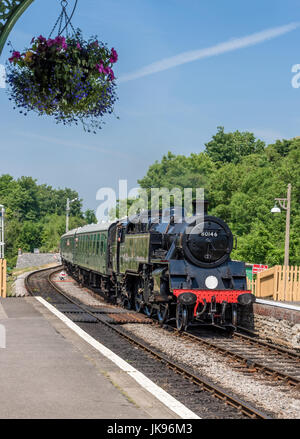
point(64, 17)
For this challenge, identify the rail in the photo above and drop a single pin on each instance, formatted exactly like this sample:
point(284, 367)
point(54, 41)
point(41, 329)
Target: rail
point(216, 391)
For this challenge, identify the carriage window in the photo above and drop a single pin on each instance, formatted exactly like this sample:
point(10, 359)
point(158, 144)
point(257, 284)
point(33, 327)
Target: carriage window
point(94, 244)
point(98, 243)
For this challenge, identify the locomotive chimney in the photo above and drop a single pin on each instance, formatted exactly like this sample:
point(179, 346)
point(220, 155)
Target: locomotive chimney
point(197, 204)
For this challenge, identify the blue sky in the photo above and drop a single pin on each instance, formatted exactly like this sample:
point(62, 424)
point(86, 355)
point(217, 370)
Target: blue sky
point(177, 109)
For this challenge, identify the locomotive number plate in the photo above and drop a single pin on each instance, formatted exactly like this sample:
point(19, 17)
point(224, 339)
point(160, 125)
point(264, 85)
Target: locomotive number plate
point(215, 234)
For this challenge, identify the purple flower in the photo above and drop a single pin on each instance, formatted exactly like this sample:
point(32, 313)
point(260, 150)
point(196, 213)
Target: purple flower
point(78, 46)
point(42, 39)
point(111, 74)
point(15, 56)
point(50, 42)
point(113, 56)
point(59, 41)
point(100, 68)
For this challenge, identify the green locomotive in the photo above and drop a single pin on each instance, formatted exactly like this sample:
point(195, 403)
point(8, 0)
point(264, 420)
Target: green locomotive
point(179, 270)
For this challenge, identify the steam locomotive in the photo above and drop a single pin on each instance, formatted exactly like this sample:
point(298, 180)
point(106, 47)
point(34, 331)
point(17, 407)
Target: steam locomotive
point(176, 269)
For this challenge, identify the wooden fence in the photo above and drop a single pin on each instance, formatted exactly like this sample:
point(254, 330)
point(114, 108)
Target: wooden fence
point(280, 283)
point(2, 278)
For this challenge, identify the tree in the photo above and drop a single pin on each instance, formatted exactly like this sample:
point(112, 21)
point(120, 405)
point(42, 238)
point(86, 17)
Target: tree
point(278, 149)
point(241, 179)
point(35, 215)
point(231, 147)
point(90, 217)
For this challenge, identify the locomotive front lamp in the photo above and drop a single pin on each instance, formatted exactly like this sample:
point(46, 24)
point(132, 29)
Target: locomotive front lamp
point(211, 282)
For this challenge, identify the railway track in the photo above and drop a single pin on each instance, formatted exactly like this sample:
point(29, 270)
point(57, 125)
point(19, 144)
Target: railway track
point(252, 355)
point(199, 394)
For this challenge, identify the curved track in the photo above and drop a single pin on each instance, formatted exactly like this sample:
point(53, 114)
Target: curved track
point(192, 390)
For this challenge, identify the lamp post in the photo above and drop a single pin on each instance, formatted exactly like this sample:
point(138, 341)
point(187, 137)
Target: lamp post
point(285, 204)
point(2, 212)
point(68, 212)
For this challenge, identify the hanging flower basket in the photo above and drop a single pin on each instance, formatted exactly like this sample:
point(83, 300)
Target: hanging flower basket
point(68, 78)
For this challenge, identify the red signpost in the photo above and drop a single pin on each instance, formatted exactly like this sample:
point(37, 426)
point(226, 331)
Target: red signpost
point(257, 268)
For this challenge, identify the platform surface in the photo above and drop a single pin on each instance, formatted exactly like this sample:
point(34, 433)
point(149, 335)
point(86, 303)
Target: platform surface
point(47, 371)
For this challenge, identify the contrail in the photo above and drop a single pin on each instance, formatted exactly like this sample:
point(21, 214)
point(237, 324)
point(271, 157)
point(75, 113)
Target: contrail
point(194, 55)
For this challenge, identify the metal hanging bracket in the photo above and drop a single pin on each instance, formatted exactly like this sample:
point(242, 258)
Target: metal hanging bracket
point(10, 12)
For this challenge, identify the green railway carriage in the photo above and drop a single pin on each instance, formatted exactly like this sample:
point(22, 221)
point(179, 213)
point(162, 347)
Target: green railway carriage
point(105, 248)
point(101, 255)
point(86, 247)
point(67, 247)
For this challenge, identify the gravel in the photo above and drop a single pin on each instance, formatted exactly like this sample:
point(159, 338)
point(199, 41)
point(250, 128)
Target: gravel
point(277, 398)
point(283, 402)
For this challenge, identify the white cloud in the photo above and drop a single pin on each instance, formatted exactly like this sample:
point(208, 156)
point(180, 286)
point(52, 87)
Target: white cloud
point(76, 145)
point(194, 55)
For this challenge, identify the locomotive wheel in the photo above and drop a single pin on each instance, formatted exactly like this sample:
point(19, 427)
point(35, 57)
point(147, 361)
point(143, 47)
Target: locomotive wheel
point(181, 317)
point(163, 313)
point(234, 314)
point(138, 301)
point(148, 310)
point(126, 303)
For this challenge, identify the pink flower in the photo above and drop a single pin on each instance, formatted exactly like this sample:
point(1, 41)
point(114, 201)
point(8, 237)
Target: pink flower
point(111, 74)
point(15, 56)
point(59, 41)
point(100, 68)
point(50, 42)
point(113, 56)
point(108, 71)
point(42, 39)
point(78, 46)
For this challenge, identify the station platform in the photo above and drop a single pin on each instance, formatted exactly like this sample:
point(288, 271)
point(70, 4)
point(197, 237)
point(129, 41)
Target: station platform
point(48, 372)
